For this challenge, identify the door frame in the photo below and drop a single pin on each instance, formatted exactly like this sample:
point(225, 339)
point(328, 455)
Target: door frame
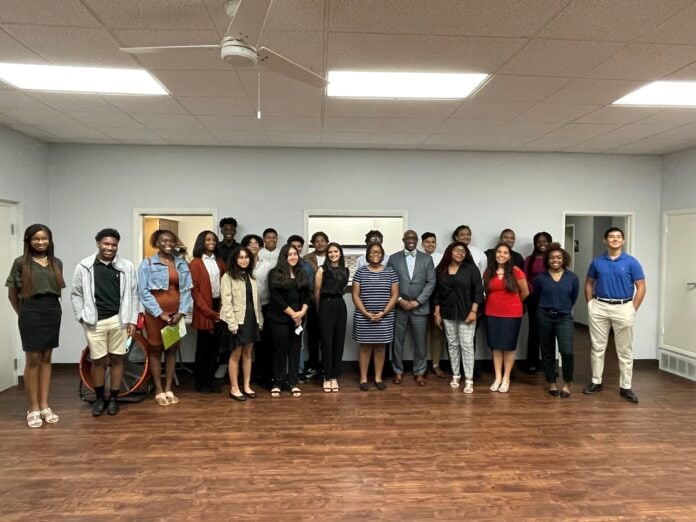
point(139, 213)
point(630, 222)
point(663, 280)
point(16, 213)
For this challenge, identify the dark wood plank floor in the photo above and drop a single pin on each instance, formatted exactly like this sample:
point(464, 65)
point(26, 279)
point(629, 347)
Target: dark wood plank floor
point(407, 453)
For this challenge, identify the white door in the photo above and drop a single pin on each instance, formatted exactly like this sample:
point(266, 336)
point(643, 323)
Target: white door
point(679, 289)
point(8, 323)
point(569, 244)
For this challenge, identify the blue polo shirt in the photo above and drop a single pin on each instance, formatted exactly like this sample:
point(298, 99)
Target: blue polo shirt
point(615, 278)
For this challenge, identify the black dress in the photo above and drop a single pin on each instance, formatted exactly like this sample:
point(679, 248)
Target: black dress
point(249, 330)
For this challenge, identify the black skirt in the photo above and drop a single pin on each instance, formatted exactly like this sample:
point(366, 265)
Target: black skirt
point(39, 322)
point(502, 332)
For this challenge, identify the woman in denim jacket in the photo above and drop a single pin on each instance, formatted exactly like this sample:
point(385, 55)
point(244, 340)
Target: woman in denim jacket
point(164, 288)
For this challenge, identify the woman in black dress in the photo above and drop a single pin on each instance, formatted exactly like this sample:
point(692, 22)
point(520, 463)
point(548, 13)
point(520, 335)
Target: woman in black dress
point(242, 313)
point(34, 287)
point(329, 286)
point(290, 295)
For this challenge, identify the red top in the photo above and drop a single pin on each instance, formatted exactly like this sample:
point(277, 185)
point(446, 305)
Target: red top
point(500, 302)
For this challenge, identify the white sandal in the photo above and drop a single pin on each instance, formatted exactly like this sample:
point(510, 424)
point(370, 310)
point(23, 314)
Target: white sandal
point(171, 398)
point(161, 399)
point(504, 387)
point(468, 386)
point(34, 419)
point(48, 416)
point(454, 383)
point(494, 387)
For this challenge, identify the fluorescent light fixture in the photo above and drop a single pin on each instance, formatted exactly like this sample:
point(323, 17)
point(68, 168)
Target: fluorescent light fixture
point(408, 85)
point(670, 94)
point(80, 79)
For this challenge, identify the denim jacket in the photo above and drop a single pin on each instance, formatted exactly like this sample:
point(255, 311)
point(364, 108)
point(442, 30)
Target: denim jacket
point(154, 275)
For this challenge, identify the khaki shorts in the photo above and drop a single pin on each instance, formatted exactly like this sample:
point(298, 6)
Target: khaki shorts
point(107, 337)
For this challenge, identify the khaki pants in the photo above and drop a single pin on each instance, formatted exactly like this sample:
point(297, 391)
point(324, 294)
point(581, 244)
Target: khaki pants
point(603, 318)
point(106, 337)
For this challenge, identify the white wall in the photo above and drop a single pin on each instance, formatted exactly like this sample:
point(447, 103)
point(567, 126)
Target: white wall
point(96, 186)
point(23, 181)
point(679, 180)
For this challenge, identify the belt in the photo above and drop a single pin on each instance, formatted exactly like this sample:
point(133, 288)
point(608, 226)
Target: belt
point(614, 301)
point(554, 313)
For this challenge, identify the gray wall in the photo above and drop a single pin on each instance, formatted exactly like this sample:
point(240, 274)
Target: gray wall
point(93, 186)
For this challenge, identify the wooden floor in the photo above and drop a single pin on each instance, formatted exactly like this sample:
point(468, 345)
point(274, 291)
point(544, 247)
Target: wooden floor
point(407, 453)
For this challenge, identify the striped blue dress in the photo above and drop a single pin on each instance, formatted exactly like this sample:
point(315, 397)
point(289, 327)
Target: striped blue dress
point(375, 291)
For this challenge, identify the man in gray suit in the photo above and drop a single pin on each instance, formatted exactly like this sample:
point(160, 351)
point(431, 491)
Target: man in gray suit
point(416, 274)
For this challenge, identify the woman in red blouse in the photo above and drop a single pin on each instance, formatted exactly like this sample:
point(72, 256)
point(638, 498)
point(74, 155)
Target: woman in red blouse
point(506, 288)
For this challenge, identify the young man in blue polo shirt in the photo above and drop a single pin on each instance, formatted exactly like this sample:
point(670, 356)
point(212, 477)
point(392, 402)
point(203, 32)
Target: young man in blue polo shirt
point(614, 290)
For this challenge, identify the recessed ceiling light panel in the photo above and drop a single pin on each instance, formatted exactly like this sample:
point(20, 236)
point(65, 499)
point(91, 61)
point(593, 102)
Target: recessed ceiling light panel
point(662, 94)
point(402, 85)
point(80, 79)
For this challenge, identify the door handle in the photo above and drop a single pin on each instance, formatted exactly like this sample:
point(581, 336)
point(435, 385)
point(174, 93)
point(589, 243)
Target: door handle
point(690, 285)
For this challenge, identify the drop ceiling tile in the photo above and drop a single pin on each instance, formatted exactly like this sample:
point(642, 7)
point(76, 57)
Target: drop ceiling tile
point(679, 29)
point(634, 132)
point(476, 142)
point(582, 131)
point(174, 59)
point(548, 143)
point(469, 127)
point(372, 139)
point(145, 104)
point(148, 14)
point(672, 116)
point(43, 12)
point(291, 15)
point(105, 119)
point(180, 135)
point(687, 73)
point(555, 112)
point(391, 108)
point(645, 62)
point(71, 46)
point(565, 58)
point(196, 83)
point(130, 134)
point(619, 114)
point(298, 124)
point(526, 129)
point(683, 133)
point(478, 109)
point(593, 92)
point(95, 141)
point(617, 20)
point(381, 125)
point(143, 141)
point(35, 132)
point(217, 106)
point(651, 146)
point(69, 131)
point(41, 117)
point(19, 101)
point(13, 51)
point(306, 49)
point(169, 121)
point(444, 17)
point(520, 88)
point(289, 106)
point(232, 123)
point(74, 102)
point(419, 52)
point(294, 138)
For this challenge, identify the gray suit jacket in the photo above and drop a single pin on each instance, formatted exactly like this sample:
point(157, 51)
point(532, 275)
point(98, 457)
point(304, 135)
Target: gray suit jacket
point(421, 286)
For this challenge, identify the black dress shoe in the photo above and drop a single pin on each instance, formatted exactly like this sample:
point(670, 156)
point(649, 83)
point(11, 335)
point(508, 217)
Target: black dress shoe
point(531, 370)
point(215, 388)
point(628, 395)
point(593, 388)
point(251, 395)
point(364, 386)
point(204, 389)
point(554, 393)
point(112, 407)
point(380, 385)
point(240, 398)
point(564, 394)
point(98, 407)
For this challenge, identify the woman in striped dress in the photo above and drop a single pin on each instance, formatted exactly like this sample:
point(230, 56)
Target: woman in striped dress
point(375, 292)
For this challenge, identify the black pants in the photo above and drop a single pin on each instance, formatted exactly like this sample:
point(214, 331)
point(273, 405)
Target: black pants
point(263, 353)
point(286, 352)
point(313, 337)
point(552, 327)
point(332, 330)
point(533, 342)
point(208, 352)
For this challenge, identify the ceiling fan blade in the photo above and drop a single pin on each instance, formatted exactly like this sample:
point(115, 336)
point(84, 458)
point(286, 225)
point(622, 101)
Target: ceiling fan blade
point(280, 64)
point(157, 49)
point(248, 20)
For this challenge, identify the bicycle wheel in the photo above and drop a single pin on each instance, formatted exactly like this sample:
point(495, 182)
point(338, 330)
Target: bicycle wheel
point(135, 385)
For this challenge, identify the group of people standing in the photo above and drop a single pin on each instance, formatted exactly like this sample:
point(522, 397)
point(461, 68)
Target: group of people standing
point(254, 294)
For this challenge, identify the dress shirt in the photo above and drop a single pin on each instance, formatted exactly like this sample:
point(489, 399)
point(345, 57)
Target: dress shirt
point(410, 261)
point(214, 272)
point(270, 256)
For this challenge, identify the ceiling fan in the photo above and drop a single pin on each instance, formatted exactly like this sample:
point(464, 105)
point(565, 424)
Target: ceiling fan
point(238, 47)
